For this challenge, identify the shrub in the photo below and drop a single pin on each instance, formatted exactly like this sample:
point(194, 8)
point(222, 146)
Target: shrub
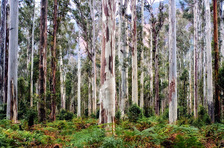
point(203, 118)
point(148, 112)
point(65, 115)
point(117, 117)
point(111, 142)
point(134, 113)
point(93, 116)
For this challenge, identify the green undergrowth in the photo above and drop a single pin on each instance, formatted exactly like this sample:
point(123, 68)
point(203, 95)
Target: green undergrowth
point(79, 132)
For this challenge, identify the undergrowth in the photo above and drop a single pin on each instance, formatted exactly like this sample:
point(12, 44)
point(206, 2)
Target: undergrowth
point(79, 132)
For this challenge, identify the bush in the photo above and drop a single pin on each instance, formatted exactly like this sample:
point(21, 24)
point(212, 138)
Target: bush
point(203, 118)
point(117, 117)
point(111, 142)
point(65, 115)
point(93, 116)
point(148, 112)
point(134, 113)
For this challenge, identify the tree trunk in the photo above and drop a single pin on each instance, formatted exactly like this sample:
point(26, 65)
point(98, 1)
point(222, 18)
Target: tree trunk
point(156, 75)
point(142, 56)
point(54, 65)
point(2, 50)
point(79, 79)
point(151, 68)
point(134, 53)
point(89, 99)
point(12, 100)
point(32, 52)
point(6, 57)
point(190, 85)
point(61, 80)
point(107, 91)
point(43, 61)
point(173, 63)
point(195, 58)
point(209, 61)
point(216, 49)
point(94, 61)
point(119, 51)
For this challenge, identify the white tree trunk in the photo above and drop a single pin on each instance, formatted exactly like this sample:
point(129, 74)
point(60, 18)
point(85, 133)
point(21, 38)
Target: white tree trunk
point(134, 53)
point(142, 57)
point(209, 61)
point(190, 85)
point(12, 100)
point(195, 57)
point(79, 80)
point(89, 99)
point(151, 68)
point(107, 91)
point(172, 63)
point(61, 80)
point(32, 52)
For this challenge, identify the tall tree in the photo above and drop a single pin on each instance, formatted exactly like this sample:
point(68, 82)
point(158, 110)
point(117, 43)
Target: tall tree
point(134, 53)
point(209, 61)
point(43, 61)
point(216, 49)
point(142, 56)
point(62, 83)
point(79, 78)
point(12, 100)
point(195, 58)
point(107, 104)
point(2, 49)
point(124, 51)
point(54, 64)
point(172, 63)
point(32, 53)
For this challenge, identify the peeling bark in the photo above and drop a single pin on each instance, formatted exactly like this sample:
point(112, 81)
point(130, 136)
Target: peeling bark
point(107, 112)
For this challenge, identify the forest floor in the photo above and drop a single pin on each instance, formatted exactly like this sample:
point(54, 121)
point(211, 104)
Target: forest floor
point(85, 132)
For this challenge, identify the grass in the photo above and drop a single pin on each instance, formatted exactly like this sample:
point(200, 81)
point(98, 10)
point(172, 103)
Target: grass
point(146, 132)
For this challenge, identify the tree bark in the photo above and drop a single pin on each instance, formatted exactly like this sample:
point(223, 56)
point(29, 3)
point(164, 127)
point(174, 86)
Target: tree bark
point(61, 80)
point(32, 52)
point(173, 63)
point(134, 53)
point(79, 79)
point(2, 50)
point(195, 57)
point(89, 99)
point(94, 60)
point(216, 49)
point(209, 61)
point(142, 56)
point(54, 64)
point(12, 100)
point(43, 61)
point(107, 91)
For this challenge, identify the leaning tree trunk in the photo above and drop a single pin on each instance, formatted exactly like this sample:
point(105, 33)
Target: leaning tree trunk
point(43, 61)
point(2, 49)
point(54, 65)
point(134, 53)
point(32, 52)
point(79, 80)
point(216, 49)
point(12, 100)
point(173, 63)
point(107, 91)
point(195, 58)
point(142, 57)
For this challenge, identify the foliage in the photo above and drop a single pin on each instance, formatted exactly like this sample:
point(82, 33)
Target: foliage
point(134, 113)
point(203, 118)
point(65, 115)
point(112, 142)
